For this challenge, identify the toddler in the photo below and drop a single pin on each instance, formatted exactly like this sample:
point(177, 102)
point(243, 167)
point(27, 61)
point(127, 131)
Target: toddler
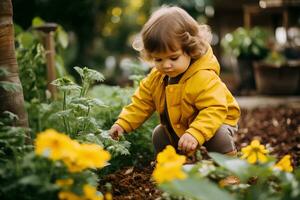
point(184, 87)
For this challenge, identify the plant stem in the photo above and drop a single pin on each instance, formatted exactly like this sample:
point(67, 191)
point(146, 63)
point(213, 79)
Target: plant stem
point(65, 101)
point(64, 119)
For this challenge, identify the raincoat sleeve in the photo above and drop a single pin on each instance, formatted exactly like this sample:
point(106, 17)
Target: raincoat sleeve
point(212, 105)
point(140, 109)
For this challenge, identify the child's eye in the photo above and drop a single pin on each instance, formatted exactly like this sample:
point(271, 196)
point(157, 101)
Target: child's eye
point(157, 59)
point(174, 58)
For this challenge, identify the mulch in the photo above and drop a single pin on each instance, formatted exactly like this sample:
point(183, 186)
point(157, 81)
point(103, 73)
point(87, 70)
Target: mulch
point(277, 128)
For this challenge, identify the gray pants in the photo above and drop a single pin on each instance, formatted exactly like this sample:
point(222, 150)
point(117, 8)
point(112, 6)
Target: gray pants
point(221, 142)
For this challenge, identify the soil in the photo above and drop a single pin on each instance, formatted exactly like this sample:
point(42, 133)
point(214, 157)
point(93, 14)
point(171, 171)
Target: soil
point(277, 128)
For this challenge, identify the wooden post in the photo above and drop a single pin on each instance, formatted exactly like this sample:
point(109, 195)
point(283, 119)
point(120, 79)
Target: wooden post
point(49, 43)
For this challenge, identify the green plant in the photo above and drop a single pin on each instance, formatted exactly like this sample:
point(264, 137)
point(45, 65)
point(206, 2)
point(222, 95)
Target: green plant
point(76, 117)
point(275, 58)
point(259, 177)
point(141, 148)
point(31, 56)
point(36, 175)
point(246, 43)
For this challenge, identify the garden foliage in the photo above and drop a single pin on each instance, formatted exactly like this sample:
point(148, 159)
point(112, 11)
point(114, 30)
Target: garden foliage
point(258, 175)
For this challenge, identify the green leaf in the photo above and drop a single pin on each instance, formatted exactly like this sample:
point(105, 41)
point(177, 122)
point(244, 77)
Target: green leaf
point(60, 66)
point(237, 166)
point(63, 113)
point(26, 40)
point(62, 37)
point(201, 189)
point(37, 21)
point(96, 102)
point(65, 84)
point(30, 180)
point(89, 75)
point(79, 70)
point(91, 138)
point(18, 29)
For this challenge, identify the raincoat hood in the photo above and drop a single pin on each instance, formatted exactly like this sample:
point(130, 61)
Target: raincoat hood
point(206, 62)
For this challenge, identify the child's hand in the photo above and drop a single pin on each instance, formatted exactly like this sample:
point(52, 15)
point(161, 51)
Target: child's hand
point(116, 131)
point(187, 143)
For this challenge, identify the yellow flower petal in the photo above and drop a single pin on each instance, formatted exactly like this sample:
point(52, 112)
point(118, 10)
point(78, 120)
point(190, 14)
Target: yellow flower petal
point(255, 144)
point(64, 182)
point(90, 193)
point(169, 166)
point(252, 158)
point(54, 145)
point(108, 196)
point(65, 195)
point(261, 157)
point(285, 164)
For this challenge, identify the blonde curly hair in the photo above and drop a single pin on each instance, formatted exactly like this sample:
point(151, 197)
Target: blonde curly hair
point(170, 28)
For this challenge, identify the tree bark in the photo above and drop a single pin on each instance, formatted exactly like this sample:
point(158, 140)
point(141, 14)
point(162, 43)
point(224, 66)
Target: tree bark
point(10, 101)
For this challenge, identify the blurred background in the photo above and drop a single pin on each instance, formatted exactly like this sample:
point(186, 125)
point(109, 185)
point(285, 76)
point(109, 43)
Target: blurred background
point(257, 42)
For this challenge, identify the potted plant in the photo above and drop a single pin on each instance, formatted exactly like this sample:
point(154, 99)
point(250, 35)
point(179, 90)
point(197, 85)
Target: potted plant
point(246, 45)
point(277, 74)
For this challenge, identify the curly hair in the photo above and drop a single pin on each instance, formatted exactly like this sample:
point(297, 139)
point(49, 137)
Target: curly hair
point(169, 29)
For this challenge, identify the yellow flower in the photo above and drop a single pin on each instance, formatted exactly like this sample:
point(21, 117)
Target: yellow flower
point(87, 156)
point(169, 166)
point(90, 193)
point(54, 145)
point(92, 156)
point(65, 195)
point(64, 182)
point(284, 164)
point(73, 165)
point(255, 152)
point(108, 196)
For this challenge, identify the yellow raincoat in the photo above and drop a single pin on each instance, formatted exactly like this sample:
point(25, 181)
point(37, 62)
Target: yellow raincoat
point(199, 104)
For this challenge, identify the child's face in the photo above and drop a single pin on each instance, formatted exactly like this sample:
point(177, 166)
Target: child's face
point(171, 63)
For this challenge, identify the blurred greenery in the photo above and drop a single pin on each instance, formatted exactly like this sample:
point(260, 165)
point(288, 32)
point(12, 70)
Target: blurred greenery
point(247, 43)
point(100, 32)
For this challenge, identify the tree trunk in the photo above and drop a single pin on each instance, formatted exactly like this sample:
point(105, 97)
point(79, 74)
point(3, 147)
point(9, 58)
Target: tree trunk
point(10, 101)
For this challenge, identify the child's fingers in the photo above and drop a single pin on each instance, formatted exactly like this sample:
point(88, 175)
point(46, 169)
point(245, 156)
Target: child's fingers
point(189, 147)
point(185, 146)
point(194, 146)
point(115, 135)
point(180, 144)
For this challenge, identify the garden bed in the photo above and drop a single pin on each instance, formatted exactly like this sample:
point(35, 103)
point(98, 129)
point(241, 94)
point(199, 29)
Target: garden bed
point(277, 128)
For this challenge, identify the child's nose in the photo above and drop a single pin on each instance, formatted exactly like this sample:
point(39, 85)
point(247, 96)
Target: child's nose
point(167, 65)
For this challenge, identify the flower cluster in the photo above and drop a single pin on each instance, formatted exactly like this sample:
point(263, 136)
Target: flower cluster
point(169, 166)
point(255, 152)
point(76, 156)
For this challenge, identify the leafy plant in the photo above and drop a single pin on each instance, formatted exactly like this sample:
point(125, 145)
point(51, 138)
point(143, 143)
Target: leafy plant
point(258, 177)
point(31, 56)
point(246, 43)
point(275, 58)
point(76, 112)
point(45, 174)
point(141, 148)
point(12, 139)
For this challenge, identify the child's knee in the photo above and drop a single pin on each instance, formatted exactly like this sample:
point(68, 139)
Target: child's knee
point(222, 141)
point(160, 138)
point(157, 133)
